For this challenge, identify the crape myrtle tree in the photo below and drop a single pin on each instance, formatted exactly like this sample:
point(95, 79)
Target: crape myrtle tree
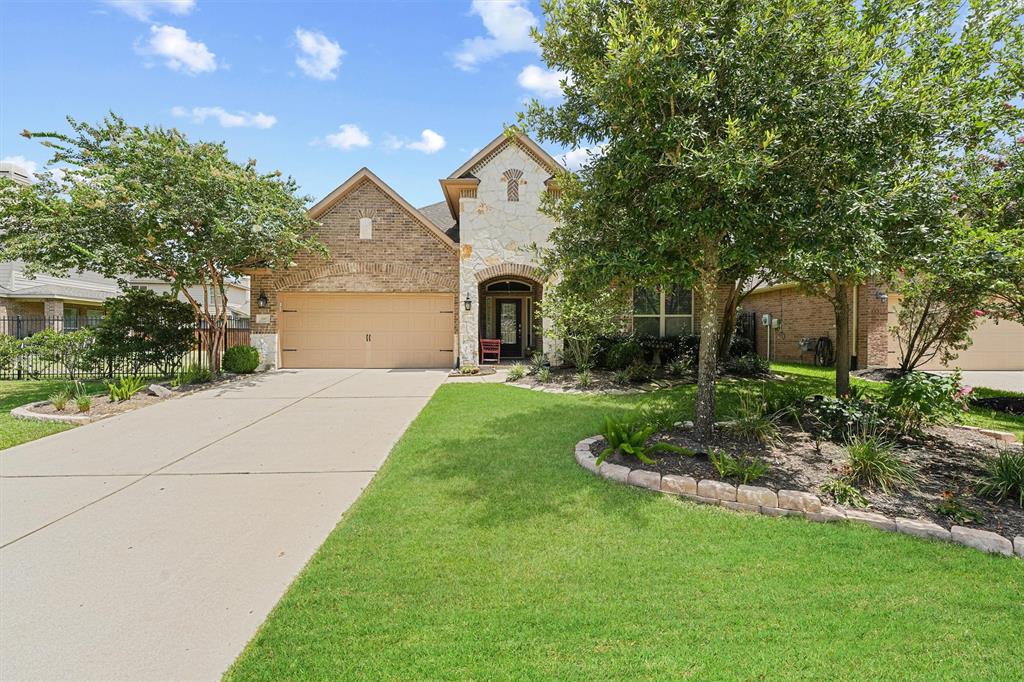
point(714, 120)
point(937, 81)
point(145, 201)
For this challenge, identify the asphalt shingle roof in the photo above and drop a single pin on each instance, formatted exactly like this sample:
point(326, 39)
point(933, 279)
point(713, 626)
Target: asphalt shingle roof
point(440, 215)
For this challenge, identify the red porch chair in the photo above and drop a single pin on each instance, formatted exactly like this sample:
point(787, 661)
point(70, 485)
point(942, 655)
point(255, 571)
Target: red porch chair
point(490, 350)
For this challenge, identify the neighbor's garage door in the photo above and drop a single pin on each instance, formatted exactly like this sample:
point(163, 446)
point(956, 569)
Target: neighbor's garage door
point(996, 347)
point(367, 330)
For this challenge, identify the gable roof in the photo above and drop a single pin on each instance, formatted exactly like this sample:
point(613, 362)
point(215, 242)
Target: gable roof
point(499, 143)
point(365, 174)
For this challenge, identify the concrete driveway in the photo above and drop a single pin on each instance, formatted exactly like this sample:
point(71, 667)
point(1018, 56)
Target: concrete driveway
point(152, 545)
point(1006, 380)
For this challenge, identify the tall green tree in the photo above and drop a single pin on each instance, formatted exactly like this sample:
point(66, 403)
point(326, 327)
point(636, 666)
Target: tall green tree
point(714, 119)
point(145, 201)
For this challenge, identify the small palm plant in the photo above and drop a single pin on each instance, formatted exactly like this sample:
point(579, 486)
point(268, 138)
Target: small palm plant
point(627, 437)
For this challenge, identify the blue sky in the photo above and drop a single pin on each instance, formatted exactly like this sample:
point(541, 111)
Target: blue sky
point(316, 90)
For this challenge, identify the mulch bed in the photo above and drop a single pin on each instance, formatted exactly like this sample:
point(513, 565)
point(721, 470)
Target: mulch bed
point(101, 406)
point(878, 374)
point(948, 459)
point(1007, 404)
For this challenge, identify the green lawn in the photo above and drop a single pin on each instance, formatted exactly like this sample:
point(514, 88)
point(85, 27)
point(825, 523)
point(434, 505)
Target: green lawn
point(15, 393)
point(482, 551)
point(986, 419)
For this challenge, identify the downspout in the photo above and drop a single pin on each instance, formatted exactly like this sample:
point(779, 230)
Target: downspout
point(854, 364)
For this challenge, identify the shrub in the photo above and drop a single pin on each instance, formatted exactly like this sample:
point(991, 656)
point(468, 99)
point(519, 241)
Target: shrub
point(752, 422)
point(748, 366)
point(624, 353)
point(918, 399)
point(621, 377)
point(741, 346)
point(516, 372)
point(145, 329)
point(630, 438)
point(581, 317)
point(125, 388)
point(84, 403)
point(1005, 478)
point(193, 374)
point(640, 371)
point(10, 351)
point(742, 467)
point(537, 362)
point(242, 359)
point(59, 399)
point(688, 347)
point(873, 461)
point(678, 367)
point(844, 492)
point(544, 375)
point(842, 418)
point(466, 369)
point(71, 350)
point(584, 378)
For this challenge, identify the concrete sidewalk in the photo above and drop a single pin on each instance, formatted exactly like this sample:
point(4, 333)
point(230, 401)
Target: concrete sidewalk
point(153, 544)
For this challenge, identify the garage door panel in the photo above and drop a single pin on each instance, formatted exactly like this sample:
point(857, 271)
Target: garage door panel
point(330, 330)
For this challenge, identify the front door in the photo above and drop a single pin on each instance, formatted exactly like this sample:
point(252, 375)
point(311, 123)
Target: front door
point(510, 327)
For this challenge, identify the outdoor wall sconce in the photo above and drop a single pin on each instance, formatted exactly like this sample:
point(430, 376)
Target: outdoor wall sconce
point(882, 296)
point(263, 301)
point(467, 304)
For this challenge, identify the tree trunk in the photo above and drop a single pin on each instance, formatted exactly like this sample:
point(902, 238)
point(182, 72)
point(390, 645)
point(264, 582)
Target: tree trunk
point(707, 363)
point(727, 327)
point(841, 303)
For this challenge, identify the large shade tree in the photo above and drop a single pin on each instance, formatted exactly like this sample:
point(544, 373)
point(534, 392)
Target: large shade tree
point(147, 202)
point(715, 119)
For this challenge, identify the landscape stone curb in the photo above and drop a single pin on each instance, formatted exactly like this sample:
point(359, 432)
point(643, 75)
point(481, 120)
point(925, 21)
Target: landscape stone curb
point(759, 499)
point(25, 412)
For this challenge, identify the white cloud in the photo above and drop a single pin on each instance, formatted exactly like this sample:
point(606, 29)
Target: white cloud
point(320, 56)
point(541, 82)
point(227, 119)
point(429, 142)
point(144, 9)
point(21, 162)
point(180, 52)
point(349, 136)
point(575, 159)
point(508, 24)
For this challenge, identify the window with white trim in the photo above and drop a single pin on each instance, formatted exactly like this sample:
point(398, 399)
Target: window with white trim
point(663, 311)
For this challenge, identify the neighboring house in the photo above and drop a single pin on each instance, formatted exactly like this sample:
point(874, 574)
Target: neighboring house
point(77, 299)
point(797, 317)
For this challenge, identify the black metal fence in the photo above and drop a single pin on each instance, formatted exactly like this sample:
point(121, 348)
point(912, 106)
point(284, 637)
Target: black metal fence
point(85, 365)
point(746, 326)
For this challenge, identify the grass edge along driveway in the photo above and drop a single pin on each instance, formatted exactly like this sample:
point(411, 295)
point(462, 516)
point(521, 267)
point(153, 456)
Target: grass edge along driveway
point(482, 551)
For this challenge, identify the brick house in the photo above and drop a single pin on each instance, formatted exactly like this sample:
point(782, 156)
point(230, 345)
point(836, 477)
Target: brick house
point(420, 287)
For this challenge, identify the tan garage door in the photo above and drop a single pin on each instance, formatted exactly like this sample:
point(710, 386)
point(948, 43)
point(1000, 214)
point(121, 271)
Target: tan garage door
point(996, 347)
point(367, 330)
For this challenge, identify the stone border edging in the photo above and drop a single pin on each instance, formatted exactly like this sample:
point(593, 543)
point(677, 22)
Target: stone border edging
point(1004, 436)
point(758, 499)
point(25, 412)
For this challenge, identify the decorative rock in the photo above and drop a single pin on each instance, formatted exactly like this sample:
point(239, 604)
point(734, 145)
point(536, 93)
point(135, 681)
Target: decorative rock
point(1018, 546)
point(827, 515)
point(921, 528)
point(756, 496)
point(159, 391)
point(739, 506)
point(799, 501)
point(718, 490)
point(981, 539)
point(678, 485)
point(779, 511)
point(872, 519)
point(614, 472)
point(644, 479)
point(587, 461)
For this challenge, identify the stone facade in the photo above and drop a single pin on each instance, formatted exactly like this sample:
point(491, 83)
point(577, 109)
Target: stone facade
point(494, 231)
point(402, 256)
point(812, 316)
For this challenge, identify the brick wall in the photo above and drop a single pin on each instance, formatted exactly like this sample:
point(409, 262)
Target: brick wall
point(11, 307)
point(402, 256)
point(813, 316)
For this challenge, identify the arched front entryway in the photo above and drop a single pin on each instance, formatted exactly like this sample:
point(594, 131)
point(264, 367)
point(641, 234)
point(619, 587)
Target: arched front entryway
point(509, 312)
